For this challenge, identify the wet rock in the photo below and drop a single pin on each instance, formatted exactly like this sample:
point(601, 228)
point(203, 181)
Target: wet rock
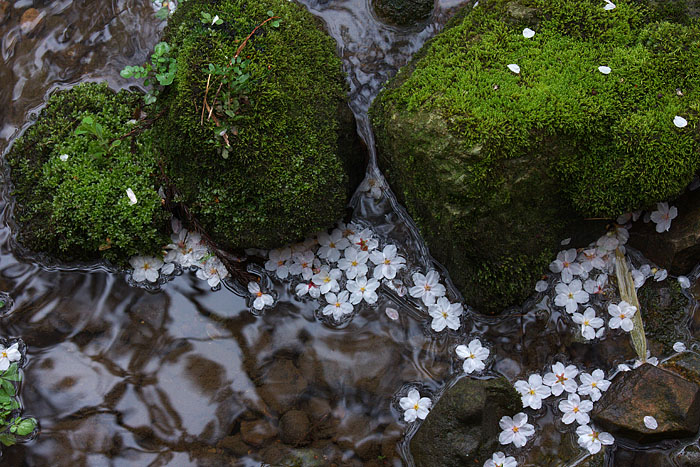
point(390, 439)
point(282, 384)
point(403, 12)
point(235, 445)
point(686, 364)
point(294, 427)
point(304, 458)
point(624, 456)
point(688, 457)
point(664, 311)
point(356, 433)
point(4, 11)
point(32, 21)
point(257, 432)
point(317, 408)
point(273, 454)
point(673, 401)
point(677, 250)
point(462, 428)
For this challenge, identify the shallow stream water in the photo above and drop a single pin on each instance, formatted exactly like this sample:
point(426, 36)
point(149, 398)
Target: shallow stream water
point(120, 375)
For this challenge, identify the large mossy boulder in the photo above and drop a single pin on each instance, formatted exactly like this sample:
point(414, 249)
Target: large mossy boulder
point(497, 167)
point(71, 188)
point(293, 158)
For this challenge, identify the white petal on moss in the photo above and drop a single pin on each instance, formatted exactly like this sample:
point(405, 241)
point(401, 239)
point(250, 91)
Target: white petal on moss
point(680, 122)
point(609, 5)
point(650, 422)
point(541, 286)
point(63, 157)
point(132, 196)
point(528, 33)
point(566, 241)
point(684, 282)
point(514, 68)
point(604, 69)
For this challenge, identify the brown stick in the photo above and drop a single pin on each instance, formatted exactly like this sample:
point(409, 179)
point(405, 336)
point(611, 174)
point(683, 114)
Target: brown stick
point(201, 120)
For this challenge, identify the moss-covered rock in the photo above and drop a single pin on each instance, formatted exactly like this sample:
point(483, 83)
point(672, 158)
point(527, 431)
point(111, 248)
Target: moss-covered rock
point(496, 167)
point(462, 428)
point(664, 311)
point(71, 201)
point(294, 158)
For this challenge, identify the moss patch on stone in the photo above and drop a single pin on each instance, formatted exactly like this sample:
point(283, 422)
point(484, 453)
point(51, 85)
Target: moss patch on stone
point(78, 209)
point(495, 167)
point(293, 158)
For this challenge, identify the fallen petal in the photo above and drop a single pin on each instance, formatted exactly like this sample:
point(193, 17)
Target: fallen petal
point(528, 33)
point(679, 121)
point(604, 69)
point(514, 68)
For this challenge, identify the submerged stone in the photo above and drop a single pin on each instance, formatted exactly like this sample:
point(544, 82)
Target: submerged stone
point(673, 401)
point(403, 12)
point(497, 167)
point(462, 428)
point(686, 364)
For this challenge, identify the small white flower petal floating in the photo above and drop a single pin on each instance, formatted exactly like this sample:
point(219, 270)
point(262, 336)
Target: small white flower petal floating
point(132, 196)
point(604, 69)
point(680, 122)
point(392, 313)
point(679, 347)
point(514, 68)
point(684, 282)
point(528, 33)
point(650, 422)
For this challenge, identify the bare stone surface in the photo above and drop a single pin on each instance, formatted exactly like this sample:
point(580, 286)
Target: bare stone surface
point(257, 432)
point(673, 401)
point(294, 427)
point(32, 20)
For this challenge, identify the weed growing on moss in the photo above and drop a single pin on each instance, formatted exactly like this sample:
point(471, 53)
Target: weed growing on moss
point(161, 70)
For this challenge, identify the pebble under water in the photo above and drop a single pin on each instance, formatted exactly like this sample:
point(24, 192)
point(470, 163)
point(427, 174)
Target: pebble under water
point(183, 375)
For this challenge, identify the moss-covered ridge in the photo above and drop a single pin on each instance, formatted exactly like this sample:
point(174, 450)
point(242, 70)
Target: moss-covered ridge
point(73, 204)
point(511, 156)
point(294, 145)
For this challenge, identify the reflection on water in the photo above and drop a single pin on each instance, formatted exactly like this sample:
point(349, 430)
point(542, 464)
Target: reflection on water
point(184, 376)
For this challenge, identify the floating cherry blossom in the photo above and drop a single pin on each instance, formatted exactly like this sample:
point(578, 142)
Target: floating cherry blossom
point(415, 406)
point(516, 430)
point(474, 355)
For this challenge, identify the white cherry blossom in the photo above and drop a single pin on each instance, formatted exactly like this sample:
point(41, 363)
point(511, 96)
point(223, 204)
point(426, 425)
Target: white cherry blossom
point(561, 378)
point(592, 439)
point(363, 288)
point(445, 314)
point(516, 430)
point(387, 262)
point(474, 355)
point(303, 264)
point(663, 216)
point(364, 240)
point(338, 305)
point(589, 323)
point(213, 271)
point(574, 408)
point(621, 316)
point(327, 279)
point(354, 263)
point(593, 384)
point(427, 287)
point(500, 460)
point(279, 262)
point(145, 268)
point(597, 286)
point(566, 265)
point(592, 259)
point(309, 288)
point(261, 299)
point(533, 391)
point(331, 245)
point(570, 295)
point(415, 406)
point(8, 355)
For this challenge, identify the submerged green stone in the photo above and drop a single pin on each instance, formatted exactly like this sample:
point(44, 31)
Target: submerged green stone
point(497, 167)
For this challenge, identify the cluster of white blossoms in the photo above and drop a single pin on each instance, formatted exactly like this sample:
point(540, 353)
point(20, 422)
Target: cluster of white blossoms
point(562, 380)
point(186, 251)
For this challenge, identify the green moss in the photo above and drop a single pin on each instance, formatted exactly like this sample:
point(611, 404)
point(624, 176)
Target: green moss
point(73, 209)
point(287, 174)
point(514, 158)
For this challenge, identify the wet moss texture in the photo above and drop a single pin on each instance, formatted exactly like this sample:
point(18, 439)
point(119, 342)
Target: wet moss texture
point(497, 167)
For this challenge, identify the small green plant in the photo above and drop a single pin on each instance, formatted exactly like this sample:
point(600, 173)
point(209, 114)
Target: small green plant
point(209, 20)
point(161, 70)
point(11, 424)
point(100, 145)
